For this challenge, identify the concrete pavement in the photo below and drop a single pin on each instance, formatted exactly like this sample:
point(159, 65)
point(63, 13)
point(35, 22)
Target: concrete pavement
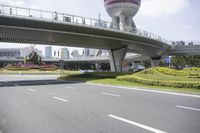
point(87, 108)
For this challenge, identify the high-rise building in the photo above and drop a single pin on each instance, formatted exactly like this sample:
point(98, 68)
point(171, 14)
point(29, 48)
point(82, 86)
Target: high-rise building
point(64, 53)
point(89, 52)
point(48, 52)
point(100, 23)
point(92, 52)
point(86, 52)
point(9, 53)
point(75, 53)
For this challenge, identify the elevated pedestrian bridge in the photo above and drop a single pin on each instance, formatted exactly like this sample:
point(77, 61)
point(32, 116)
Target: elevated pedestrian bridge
point(182, 50)
point(24, 25)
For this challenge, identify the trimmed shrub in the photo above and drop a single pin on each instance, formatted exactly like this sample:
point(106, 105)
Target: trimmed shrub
point(178, 84)
point(48, 68)
point(27, 67)
point(173, 72)
point(16, 68)
point(161, 71)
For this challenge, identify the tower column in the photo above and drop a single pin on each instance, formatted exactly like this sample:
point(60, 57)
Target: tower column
point(122, 22)
point(155, 61)
point(129, 23)
point(116, 58)
point(115, 23)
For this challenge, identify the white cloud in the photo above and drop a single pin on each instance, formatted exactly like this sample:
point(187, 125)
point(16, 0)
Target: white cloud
point(159, 8)
point(187, 26)
point(13, 2)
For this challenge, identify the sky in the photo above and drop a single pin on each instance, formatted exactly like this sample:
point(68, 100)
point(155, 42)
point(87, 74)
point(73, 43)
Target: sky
point(172, 19)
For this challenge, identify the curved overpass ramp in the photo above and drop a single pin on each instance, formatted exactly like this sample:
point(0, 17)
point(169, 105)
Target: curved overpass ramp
point(29, 29)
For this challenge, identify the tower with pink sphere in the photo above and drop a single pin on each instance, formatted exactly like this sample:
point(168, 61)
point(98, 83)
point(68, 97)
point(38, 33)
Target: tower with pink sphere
point(122, 13)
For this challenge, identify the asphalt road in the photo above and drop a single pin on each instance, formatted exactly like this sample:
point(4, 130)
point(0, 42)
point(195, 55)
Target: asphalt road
point(5, 78)
point(67, 107)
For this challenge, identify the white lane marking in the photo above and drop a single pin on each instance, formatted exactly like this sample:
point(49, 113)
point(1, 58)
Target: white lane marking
point(146, 90)
point(137, 124)
point(110, 94)
point(69, 87)
point(29, 89)
point(190, 108)
point(57, 98)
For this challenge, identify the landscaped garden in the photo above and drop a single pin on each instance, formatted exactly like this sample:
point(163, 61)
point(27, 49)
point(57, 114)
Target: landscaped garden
point(186, 80)
point(161, 76)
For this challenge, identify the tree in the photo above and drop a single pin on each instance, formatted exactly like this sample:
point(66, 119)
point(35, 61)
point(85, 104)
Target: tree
point(179, 62)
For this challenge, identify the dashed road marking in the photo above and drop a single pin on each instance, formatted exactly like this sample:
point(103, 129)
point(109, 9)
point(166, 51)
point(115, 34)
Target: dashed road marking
point(189, 108)
point(57, 98)
point(114, 95)
point(137, 124)
point(29, 89)
point(69, 87)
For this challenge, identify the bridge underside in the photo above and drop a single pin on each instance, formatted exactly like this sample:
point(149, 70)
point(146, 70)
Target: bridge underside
point(18, 30)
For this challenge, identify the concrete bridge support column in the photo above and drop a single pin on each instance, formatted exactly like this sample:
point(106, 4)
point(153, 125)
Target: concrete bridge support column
point(116, 58)
point(155, 62)
point(97, 66)
point(135, 65)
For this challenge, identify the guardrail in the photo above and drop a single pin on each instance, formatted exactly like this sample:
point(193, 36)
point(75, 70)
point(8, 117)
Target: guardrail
point(184, 43)
point(67, 18)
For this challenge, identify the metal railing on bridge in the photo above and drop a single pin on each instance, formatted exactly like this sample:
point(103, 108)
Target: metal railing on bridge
point(67, 18)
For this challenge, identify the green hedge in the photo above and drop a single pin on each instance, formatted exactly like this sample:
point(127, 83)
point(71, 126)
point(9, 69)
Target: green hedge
point(173, 72)
point(48, 69)
point(16, 68)
point(191, 73)
point(178, 84)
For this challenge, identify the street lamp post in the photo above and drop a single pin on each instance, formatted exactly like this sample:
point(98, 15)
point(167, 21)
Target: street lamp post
point(62, 63)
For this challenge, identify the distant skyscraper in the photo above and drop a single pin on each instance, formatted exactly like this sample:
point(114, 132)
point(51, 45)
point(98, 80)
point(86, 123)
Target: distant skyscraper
point(64, 53)
point(75, 53)
point(100, 23)
point(86, 52)
point(92, 52)
point(89, 52)
point(48, 52)
point(9, 53)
